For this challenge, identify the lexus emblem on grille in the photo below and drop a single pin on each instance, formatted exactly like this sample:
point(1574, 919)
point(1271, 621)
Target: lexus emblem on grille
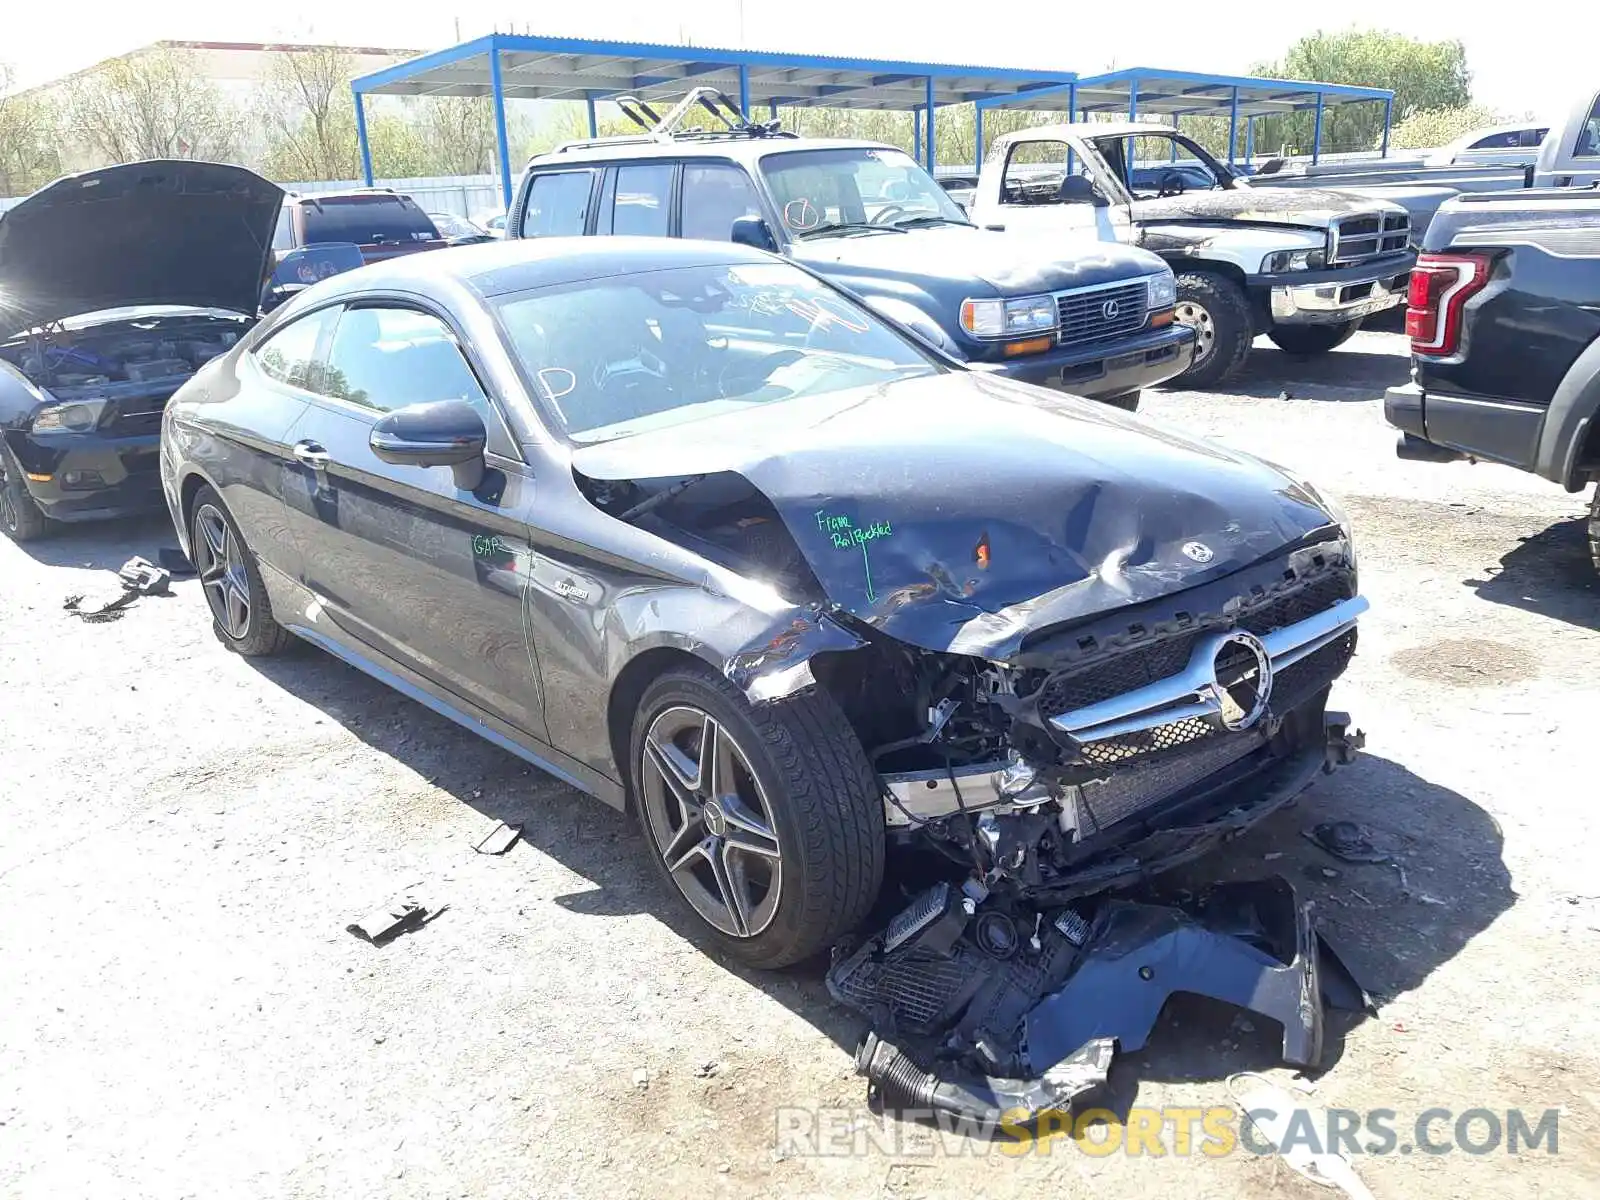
point(1198, 551)
point(1110, 309)
point(1241, 679)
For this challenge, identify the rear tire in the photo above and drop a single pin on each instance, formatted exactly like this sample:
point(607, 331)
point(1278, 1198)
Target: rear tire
point(1127, 402)
point(796, 823)
point(1218, 311)
point(20, 517)
point(241, 613)
point(1311, 339)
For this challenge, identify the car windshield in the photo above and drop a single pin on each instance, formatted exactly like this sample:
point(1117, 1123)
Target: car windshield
point(820, 192)
point(619, 355)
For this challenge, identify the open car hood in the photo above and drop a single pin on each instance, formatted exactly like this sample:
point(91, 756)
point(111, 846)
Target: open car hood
point(164, 232)
point(961, 512)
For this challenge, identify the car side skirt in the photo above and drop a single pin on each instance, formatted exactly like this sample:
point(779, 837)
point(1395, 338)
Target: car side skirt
point(547, 758)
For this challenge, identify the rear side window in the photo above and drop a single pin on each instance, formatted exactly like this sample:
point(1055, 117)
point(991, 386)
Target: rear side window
point(558, 204)
point(283, 231)
point(639, 201)
point(715, 195)
point(366, 220)
point(290, 355)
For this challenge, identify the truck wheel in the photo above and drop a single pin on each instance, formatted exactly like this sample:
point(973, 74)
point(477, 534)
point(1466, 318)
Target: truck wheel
point(1594, 528)
point(765, 821)
point(20, 517)
point(1218, 312)
point(1311, 339)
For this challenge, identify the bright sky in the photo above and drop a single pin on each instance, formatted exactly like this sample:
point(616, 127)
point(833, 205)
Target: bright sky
point(1534, 61)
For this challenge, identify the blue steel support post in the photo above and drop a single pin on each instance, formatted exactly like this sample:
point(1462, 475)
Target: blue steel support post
point(744, 92)
point(931, 146)
point(502, 145)
point(916, 134)
point(1072, 116)
point(772, 109)
point(1133, 98)
point(977, 136)
point(1233, 126)
point(1388, 115)
point(1172, 143)
point(1249, 139)
point(361, 138)
point(594, 126)
point(1316, 134)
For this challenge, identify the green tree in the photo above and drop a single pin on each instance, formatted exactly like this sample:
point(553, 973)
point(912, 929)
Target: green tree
point(311, 115)
point(151, 104)
point(28, 139)
point(1421, 74)
point(1430, 127)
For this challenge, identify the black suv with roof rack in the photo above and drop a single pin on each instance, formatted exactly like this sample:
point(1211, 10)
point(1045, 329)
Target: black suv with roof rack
point(868, 218)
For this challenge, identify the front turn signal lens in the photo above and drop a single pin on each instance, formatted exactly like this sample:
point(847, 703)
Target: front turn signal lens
point(1030, 346)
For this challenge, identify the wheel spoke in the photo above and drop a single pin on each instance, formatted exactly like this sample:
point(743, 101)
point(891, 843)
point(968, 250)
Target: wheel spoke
point(709, 776)
point(676, 771)
point(212, 529)
point(733, 898)
point(749, 833)
point(688, 844)
point(238, 610)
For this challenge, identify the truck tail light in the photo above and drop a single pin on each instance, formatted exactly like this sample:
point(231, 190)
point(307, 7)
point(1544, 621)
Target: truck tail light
point(1441, 285)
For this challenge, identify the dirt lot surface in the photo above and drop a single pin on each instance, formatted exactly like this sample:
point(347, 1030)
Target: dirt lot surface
point(187, 835)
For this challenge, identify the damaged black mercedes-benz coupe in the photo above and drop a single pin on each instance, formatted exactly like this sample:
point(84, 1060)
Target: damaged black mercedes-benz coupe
point(694, 530)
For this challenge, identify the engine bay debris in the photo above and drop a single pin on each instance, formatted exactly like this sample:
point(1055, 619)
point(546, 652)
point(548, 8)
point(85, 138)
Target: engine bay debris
point(987, 1003)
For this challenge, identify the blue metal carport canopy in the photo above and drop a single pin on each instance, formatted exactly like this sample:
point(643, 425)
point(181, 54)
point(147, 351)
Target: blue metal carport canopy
point(518, 67)
point(1154, 91)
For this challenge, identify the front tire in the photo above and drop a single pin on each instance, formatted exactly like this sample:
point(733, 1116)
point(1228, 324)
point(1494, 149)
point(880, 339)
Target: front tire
point(765, 821)
point(1311, 339)
point(241, 614)
point(1218, 311)
point(20, 517)
point(1594, 528)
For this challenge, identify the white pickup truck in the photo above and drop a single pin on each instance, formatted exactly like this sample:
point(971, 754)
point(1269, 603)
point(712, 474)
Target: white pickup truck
point(1303, 266)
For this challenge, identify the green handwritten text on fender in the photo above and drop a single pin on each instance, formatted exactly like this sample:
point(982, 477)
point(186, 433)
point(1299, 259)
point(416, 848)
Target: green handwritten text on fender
point(844, 534)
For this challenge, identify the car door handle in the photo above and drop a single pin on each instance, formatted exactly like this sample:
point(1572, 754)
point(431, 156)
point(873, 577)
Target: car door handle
point(310, 454)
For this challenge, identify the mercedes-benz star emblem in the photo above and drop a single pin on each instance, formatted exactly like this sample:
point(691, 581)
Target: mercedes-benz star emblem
point(1110, 309)
point(1199, 551)
point(1241, 679)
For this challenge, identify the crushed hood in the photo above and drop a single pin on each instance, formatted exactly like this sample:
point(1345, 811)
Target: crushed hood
point(952, 257)
point(962, 512)
point(1310, 208)
point(165, 232)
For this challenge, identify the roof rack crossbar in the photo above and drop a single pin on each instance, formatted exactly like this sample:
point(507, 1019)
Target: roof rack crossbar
point(672, 128)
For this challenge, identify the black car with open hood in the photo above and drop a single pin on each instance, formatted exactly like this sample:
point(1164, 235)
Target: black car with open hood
point(116, 286)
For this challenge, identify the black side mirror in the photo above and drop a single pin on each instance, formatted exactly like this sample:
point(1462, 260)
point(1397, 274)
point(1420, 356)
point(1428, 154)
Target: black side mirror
point(753, 231)
point(445, 433)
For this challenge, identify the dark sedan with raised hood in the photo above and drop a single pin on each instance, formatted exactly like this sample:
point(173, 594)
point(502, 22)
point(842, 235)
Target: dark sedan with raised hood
point(115, 287)
point(693, 530)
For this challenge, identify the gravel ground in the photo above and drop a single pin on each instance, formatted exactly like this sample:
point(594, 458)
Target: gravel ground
point(189, 833)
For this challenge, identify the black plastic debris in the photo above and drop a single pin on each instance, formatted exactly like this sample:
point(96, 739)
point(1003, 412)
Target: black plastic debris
point(989, 1003)
point(500, 839)
point(175, 562)
point(1348, 841)
point(100, 607)
point(143, 576)
point(402, 915)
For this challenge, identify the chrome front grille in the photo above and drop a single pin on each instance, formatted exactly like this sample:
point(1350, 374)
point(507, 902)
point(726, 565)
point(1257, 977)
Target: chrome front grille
point(1098, 313)
point(1367, 236)
point(1143, 719)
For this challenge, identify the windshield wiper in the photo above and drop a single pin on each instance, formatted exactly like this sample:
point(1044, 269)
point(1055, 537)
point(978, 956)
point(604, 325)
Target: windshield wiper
point(929, 219)
point(848, 227)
